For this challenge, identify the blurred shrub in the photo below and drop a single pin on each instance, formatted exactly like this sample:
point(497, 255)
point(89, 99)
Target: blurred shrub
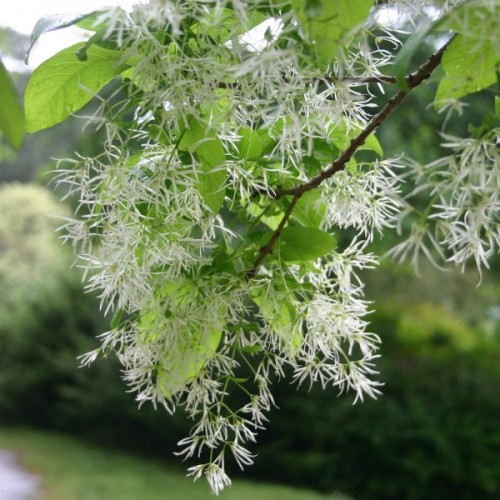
point(28, 246)
point(434, 433)
point(431, 329)
point(43, 311)
point(46, 322)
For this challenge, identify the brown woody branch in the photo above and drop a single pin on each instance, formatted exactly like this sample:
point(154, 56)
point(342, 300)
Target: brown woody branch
point(266, 249)
point(412, 81)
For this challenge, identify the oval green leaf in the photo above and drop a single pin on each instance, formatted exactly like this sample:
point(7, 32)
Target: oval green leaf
point(281, 315)
point(470, 65)
point(197, 137)
point(329, 22)
point(55, 22)
point(193, 353)
point(63, 84)
point(250, 145)
point(212, 186)
point(305, 243)
point(310, 210)
point(11, 114)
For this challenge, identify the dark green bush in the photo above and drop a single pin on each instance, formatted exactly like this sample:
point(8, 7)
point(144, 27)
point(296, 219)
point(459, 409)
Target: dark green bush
point(433, 434)
point(47, 321)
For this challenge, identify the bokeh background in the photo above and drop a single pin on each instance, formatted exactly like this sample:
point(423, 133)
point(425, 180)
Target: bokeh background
point(435, 432)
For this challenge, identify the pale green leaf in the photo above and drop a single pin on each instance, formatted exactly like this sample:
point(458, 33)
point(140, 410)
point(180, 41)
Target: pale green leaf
point(341, 135)
point(372, 144)
point(192, 350)
point(11, 113)
point(212, 186)
point(329, 22)
point(63, 84)
point(281, 315)
point(55, 22)
point(197, 137)
point(90, 21)
point(250, 145)
point(211, 151)
point(193, 353)
point(304, 243)
point(272, 216)
point(470, 65)
point(479, 19)
point(310, 209)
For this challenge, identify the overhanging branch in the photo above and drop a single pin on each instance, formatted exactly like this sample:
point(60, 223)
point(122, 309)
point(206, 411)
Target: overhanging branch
point(412, 81)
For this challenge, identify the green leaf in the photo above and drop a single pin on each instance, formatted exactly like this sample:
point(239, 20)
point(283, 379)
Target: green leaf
point(89, 22)
point(310, 210)
point(211, 185)
point(197, 137)
point(62, 85)
point(329, 22)
point(341, 136)
point(211, 152)
point(11, 113)
point(471, 18)
point(281, 315)
point(479, 19)
point(470, 65)
point(273, 212)
point(403, 60)
point(192, 134)
point(267, 141)
point(193, 349)
point(497, 106)
point(53, 23)
point(98, 38)
point(305, 243)
point(250, 145)
point(193, 352)
point(372, 144)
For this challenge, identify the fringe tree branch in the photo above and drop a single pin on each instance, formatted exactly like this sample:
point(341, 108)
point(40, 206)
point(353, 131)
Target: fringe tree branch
point(412, 81)
point(266, 249)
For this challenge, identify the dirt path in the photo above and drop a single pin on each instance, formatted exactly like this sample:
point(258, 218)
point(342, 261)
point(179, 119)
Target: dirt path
point(16, 483)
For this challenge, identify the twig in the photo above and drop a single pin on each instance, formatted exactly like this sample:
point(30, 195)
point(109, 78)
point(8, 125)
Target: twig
point(266, 249)
point(412, 81)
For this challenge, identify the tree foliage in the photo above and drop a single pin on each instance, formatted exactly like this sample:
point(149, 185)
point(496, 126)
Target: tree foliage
point(242, 183)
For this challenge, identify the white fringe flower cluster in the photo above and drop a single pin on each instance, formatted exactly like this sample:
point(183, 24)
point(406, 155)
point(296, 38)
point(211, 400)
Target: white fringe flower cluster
point(192, 326)
point(462, 221)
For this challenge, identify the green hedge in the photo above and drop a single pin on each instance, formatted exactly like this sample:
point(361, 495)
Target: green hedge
point(433, 434)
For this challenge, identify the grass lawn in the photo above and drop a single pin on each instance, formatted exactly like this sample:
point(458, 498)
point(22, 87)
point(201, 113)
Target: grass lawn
point(75, 470)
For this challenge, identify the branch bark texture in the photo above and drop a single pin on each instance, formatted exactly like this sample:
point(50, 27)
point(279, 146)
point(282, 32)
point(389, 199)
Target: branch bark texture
point(412, 81)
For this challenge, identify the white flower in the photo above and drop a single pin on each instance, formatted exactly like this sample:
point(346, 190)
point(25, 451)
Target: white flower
point(215, 475)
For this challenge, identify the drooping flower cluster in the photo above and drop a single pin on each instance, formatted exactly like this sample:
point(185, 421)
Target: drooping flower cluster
point(221, 106)
point(463, 221)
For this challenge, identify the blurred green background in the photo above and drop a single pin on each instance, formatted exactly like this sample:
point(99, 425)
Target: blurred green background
point(434, 433)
